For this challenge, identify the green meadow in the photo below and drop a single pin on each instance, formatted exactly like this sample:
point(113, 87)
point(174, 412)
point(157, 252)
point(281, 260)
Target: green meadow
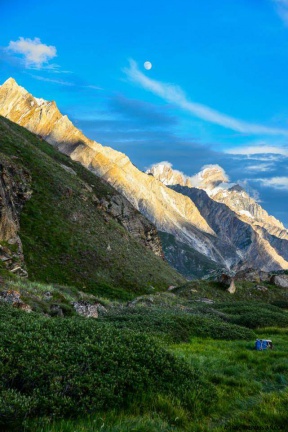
point(163, 363)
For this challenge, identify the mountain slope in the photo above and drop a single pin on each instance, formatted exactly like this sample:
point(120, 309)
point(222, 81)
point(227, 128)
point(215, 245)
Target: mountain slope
point(74, 226)
point(172, 212)
point(240, 237)
point(252, 237)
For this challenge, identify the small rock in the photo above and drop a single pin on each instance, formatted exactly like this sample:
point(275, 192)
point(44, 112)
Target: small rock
point(171, 288)
point(47, 296)
point(261, 288)
point(56, 310)
point(23, 306)
point(205, 300)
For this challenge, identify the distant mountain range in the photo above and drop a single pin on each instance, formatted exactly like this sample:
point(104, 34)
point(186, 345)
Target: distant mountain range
point(205, 222)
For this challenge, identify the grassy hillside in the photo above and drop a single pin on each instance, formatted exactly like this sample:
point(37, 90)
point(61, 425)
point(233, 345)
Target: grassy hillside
point(66, 238)
point(161, 363)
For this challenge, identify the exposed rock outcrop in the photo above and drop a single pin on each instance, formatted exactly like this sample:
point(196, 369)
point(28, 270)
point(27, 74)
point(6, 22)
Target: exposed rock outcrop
point(119, 208)
point(15, 190)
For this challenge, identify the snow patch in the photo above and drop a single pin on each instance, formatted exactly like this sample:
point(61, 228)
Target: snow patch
point(246, 213)
point(40, 101)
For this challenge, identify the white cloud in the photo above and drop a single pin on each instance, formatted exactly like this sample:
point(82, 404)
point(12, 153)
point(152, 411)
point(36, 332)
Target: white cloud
point(258, 149)
point(174, 94)
point(36, 54)
point(282, 9)
point(265, 167)
point(274, 182)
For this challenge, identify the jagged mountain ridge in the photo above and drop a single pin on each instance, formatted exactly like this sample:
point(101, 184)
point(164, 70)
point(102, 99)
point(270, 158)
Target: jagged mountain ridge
point(170, 211)
point(210, 187)
point(213, 180)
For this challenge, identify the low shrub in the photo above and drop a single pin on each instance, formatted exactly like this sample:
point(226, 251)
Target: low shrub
point(253, 315)
point(177, 326)
point(67, 366)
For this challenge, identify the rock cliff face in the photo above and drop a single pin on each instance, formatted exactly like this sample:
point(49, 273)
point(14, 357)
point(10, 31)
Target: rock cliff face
point(15, 190)
point(259, 239)
point(240, 243)
point(119, 208)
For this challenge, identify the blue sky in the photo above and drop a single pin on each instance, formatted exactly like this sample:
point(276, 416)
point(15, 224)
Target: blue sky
point(217, 91)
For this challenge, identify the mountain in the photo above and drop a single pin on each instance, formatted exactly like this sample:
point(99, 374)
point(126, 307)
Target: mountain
point(233, 215)
point(63, 224)
point(173, 212)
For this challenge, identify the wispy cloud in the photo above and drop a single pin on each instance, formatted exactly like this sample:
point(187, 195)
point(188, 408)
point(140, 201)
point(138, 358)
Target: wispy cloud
point(52, 80)
point(36, 55)
point(74, 82)
point(282, 9)
point(264, 167)
point(260, 149)
point(274, 182)
point(93, 87)
point(174, 94)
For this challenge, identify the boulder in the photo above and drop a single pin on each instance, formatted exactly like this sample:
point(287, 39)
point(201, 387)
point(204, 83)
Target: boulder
point(87, 309)
point(225, 279)
point(249, 275)
point(232, 287)
point(12, 297)
point(280, 280)
point(264, 276)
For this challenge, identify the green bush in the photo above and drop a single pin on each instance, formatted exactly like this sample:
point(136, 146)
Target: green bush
point(177, 326)
point(64, 367)
point(253, 315)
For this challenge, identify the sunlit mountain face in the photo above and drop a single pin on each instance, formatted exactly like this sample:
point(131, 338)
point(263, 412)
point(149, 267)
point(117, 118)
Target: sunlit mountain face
point(216, 219)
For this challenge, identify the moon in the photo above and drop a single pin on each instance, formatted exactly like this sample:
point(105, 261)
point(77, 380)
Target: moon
point(148, 65)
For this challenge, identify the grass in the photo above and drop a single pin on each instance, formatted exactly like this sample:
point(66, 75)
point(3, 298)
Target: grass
point(42, 297)
point(252, 386)
point(67, 239)
point(251, 393)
